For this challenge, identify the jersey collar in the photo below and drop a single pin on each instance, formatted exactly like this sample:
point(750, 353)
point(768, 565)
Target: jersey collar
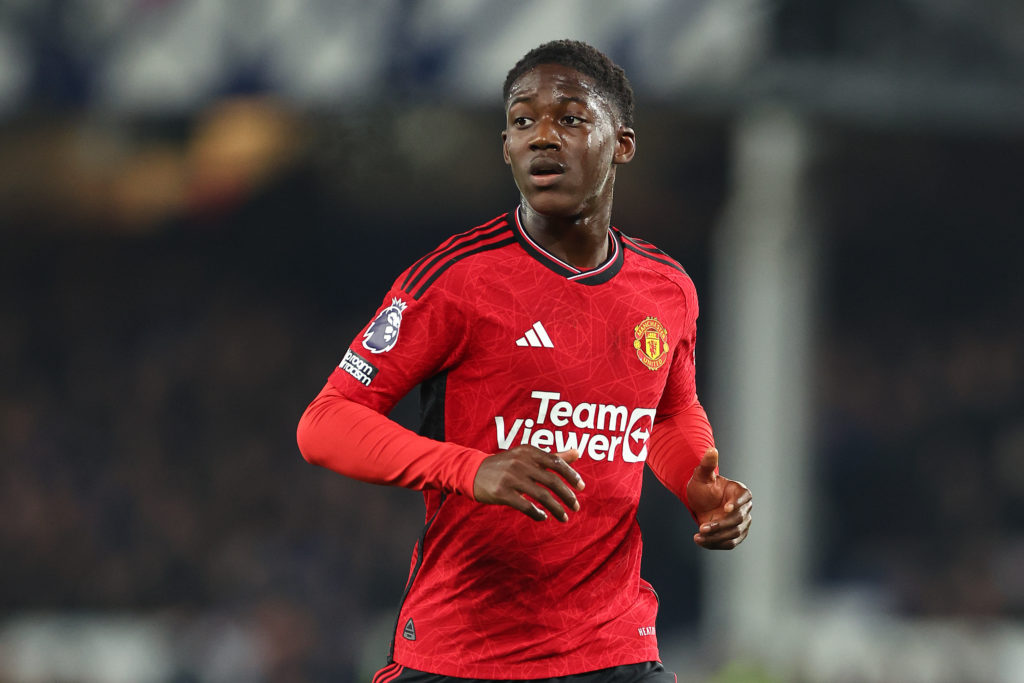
point(595, 276)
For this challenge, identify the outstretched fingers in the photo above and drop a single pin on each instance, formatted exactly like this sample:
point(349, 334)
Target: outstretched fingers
point(549, 483)
point(535, 482)
point(559, 462)
point(527, 507)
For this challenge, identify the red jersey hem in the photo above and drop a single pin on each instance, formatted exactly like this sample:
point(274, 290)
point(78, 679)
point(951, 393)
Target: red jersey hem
point(557, 667)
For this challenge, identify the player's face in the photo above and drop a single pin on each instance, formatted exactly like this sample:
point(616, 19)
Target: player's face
point(562, 140)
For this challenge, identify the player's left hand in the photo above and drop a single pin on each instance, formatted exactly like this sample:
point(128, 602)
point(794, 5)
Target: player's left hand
point(722, 506)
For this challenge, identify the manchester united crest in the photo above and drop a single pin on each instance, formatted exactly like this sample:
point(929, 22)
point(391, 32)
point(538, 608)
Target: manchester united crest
point(650, 339)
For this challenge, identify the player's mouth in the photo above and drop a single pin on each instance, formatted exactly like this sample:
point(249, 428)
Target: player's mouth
point(545, 171)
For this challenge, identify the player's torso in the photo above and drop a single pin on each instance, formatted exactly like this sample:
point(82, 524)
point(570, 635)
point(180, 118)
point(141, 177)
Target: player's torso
point(555, 364)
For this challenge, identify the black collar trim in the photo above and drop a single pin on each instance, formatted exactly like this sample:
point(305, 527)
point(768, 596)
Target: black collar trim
point(595, 276)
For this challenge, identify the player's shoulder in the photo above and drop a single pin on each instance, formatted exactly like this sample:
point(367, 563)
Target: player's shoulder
point(649, 257)
point(474, 243)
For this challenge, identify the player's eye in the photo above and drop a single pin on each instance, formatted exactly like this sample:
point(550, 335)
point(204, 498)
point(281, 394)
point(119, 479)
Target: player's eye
point(571, 120)
point(520, 121)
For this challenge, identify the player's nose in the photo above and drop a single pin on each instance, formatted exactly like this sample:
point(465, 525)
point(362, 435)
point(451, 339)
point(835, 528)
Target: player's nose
point(545, 136)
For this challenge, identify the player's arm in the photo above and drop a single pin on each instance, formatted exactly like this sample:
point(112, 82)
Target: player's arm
point(346, 428)
point(411, 339)
point(354, 440)
point(683, 456)
point(358, 442)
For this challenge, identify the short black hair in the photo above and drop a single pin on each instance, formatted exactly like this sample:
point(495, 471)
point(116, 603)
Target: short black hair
point(609, 77)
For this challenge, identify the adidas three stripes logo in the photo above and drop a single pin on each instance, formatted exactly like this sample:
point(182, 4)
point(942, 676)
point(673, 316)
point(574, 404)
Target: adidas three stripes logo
point(536, 337)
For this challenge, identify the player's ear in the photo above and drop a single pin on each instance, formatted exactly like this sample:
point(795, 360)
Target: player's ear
point(504, 147)
point(625, 145)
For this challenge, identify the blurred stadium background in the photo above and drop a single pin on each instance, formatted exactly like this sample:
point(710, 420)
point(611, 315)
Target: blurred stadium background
point(202, 201)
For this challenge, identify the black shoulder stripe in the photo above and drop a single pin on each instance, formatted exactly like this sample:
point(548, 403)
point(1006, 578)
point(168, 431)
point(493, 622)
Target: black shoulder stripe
point(422, 286)
point(644, 244)
point(452, 242)
point(666, 260)
point(426, 264)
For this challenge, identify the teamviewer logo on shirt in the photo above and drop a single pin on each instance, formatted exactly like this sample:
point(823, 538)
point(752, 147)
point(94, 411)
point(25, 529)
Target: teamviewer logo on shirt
point(601, 431)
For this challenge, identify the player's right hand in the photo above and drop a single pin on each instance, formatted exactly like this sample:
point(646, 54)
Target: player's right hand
point(524, 476)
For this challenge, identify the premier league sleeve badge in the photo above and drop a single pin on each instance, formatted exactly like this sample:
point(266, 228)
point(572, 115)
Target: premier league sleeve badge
point(382, 333)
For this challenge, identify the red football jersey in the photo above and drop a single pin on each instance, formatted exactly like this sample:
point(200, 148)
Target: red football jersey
point(514, 346)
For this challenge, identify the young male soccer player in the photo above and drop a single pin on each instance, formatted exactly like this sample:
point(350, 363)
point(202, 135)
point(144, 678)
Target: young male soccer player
point(556, 358)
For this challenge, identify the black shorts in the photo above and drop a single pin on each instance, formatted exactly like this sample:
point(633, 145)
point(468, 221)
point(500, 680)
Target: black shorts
point(647, 672)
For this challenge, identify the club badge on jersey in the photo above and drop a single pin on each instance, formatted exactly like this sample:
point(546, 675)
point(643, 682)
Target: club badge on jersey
point(382, 333)
point(650, 339)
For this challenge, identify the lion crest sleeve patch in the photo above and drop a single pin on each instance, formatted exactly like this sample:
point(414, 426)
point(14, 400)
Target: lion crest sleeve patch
point(650, 339)
point(382, 333)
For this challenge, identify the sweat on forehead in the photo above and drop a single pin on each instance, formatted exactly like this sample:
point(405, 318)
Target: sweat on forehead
point(609, 80)
point(564, 84)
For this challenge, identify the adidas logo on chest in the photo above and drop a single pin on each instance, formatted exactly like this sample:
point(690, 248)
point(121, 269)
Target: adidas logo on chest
point(536, 337)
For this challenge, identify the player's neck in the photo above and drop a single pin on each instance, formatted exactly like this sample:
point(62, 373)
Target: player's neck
point(580, 241)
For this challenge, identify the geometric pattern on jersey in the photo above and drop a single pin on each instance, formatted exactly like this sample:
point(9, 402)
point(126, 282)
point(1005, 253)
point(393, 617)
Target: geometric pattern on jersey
point(492, 594)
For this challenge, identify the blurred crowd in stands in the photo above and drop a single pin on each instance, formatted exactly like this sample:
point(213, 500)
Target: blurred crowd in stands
point(149, 462)
point(922, 374)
